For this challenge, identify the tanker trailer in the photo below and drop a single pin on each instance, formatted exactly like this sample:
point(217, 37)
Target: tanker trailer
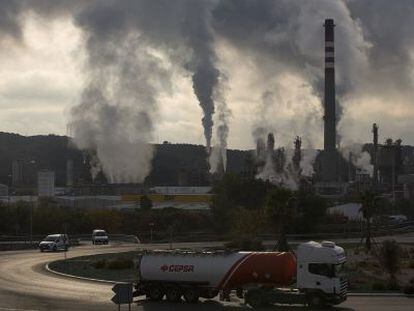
point(313, 277)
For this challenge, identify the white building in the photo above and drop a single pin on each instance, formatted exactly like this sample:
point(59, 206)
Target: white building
point(4, 190)
point(46, 183)
point(180, 190)
point(350, 210)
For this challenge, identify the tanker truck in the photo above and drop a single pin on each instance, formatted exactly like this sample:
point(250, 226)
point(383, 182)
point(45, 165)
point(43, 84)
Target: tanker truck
point(313, 276)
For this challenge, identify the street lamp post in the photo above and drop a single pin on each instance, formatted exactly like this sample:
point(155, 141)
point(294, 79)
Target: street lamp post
point(151, 224)
point(31, 221)
point(32, 162)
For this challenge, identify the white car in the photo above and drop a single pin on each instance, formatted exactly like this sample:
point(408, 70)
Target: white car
point(54, 242)
point(100, 237)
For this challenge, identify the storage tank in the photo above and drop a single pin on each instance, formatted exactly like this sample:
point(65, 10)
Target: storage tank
point(219, 270)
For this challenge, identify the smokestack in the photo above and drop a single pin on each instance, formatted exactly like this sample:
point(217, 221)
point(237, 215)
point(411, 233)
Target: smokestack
point(375, 153)
point(329, 100)
point(270, 143)
point(69, 173)
point(330, 158)
point(297, 157)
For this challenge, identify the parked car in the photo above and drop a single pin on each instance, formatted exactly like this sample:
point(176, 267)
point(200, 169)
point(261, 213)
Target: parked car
point(100, 236)
point(396, 219)
point(54, 242)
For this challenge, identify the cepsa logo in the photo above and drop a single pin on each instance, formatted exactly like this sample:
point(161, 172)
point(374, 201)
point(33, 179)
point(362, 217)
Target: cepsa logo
point(177, 268)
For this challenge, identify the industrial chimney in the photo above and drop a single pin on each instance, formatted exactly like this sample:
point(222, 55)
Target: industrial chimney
point(375, 153)
point(330, 156)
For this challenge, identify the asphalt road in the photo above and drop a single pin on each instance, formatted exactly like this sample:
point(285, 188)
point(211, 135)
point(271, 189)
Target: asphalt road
point(26, 285)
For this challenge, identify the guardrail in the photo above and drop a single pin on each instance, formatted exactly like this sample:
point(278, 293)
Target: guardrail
point(17, 242)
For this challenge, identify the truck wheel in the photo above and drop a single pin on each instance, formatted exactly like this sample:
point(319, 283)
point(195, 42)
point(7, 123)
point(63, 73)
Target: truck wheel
point(173, 294)
point(254, 299)
point(155, 293)
point(316, 301)
point(191, 295)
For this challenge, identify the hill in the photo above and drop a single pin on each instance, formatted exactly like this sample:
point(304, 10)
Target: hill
point(173, 164)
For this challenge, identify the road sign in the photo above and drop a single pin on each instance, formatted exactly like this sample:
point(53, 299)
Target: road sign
point(123, 293)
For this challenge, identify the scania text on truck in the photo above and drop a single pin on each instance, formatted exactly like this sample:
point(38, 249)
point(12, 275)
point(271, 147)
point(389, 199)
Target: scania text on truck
point(261, 278)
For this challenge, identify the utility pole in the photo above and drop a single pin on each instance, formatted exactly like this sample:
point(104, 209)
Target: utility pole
point(31, 221)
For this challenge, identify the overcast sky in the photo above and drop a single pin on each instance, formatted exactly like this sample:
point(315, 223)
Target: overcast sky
point(42, 74)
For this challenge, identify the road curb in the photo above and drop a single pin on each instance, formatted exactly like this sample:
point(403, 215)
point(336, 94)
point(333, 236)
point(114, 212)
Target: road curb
point(77, 277)
point(350, 294)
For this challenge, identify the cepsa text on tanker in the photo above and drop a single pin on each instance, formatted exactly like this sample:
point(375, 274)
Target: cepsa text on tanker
point(177, 268)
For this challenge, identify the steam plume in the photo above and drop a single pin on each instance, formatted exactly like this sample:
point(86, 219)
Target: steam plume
point(361, 159)
point(115, 115)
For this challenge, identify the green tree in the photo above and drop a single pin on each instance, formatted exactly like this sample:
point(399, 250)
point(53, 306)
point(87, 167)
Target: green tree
point(232, 192)
point(311, 211)
point(368, 208)
point(281, 212)
point(246, 226)
point(107, 219)
point(145, 202)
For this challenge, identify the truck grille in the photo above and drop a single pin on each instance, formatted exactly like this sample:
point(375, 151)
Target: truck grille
point(344, 287)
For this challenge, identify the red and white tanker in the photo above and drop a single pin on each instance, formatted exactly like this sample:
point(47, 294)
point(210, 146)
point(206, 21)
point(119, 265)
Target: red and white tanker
point(259, 277)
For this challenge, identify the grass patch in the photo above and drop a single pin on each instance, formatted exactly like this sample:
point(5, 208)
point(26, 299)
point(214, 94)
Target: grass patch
point(117, 267)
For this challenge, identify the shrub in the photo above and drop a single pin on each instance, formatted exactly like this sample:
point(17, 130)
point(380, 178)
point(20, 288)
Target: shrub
point(99, 264)
point(392, 284)
point(120, 264)
point(246, 244)
point(404, 254)
point(378, 286)
point(409, 289)
point(411, 264)
point(389, 257)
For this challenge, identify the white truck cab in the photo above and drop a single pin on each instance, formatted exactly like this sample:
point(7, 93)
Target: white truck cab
point(320, 271)
point(100, 236)
point(54, 242)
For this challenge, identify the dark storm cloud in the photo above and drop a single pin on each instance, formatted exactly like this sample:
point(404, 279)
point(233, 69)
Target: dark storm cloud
point(10, 20)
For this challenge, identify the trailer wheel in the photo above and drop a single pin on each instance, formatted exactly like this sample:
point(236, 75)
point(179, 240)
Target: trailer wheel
point(191, 295)
point(254, 299)
point(155, 293)
point(173, 294)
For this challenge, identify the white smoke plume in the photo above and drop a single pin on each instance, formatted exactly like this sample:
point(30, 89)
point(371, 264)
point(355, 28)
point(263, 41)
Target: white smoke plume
point(361, 159)
point(218, 154)
point(275, 166)
point(96, 167)
point(115, 115)
point(307, 161)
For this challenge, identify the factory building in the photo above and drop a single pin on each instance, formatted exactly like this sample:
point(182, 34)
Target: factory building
point(4, 190)
point(46, 183)
point(17, 172)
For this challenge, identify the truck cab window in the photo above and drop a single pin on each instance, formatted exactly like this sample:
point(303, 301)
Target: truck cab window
point(321, 269)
